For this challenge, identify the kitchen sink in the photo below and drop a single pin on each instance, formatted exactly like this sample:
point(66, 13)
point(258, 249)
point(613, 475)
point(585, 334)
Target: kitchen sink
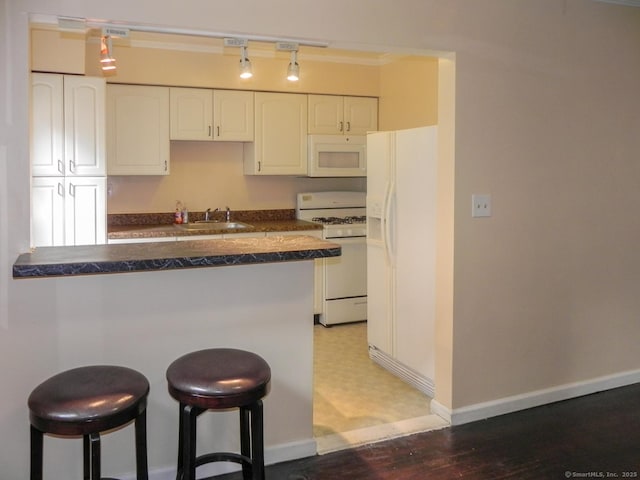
point(211, 225)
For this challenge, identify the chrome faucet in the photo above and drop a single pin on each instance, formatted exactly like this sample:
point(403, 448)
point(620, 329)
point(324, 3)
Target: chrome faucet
point(228, 215)
point(208, 213)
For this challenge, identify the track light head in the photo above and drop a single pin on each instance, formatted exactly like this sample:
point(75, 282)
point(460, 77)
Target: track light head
point(106, 54)
point(245, 64)
point(293, 70)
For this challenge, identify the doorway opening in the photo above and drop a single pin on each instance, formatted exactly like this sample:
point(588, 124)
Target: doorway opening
point(356, 401)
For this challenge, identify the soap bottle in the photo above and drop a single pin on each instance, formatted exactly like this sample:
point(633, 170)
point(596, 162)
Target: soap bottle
point(178, 214)
point(185, 214)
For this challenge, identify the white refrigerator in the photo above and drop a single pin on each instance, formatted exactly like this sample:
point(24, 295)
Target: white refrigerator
point(401, 253)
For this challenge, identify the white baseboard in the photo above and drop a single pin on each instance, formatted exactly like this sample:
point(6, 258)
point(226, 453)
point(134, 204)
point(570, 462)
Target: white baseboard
point(493, 408)
point(274, 454)
point(418, 381)
point(378, 433)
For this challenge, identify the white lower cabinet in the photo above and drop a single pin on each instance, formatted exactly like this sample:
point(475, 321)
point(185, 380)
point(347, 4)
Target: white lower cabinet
point(115, 241)
point(68, 211)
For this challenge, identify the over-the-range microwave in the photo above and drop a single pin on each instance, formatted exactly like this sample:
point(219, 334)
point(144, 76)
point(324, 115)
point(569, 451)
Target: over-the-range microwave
point(337, 156)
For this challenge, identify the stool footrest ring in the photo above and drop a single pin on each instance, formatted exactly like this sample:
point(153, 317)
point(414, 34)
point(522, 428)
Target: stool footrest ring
point(220, 457)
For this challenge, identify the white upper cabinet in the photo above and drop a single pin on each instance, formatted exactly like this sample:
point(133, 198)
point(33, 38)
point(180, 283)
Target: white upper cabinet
point(233, 115)
point(137, 130)
point(67, 125)
point(191, 114)
point(338, 115)
point(219, 115)
point(280, 145)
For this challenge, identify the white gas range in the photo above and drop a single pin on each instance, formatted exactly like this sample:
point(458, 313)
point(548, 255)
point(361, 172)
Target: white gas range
point(343, 217)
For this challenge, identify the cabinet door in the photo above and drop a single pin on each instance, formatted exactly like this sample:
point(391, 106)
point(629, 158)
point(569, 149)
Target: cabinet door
point(85, 211)
point(84, 125)
point(137, 130)
point(191, 113)
point(47, 211)
point(280, 145)
point(47, 125)
point(233, 115)
point(360, 115)
point(326, 114)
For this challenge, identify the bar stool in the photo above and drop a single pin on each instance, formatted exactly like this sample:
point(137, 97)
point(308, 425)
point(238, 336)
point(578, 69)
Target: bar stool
point(219, 379)
point(87, 401)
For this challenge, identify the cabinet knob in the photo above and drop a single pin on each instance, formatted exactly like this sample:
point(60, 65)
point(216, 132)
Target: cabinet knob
point(72, 166)
point(348, 126)
point(60, 189)
point(72, 190)
point(340, 127)
point(61, 167)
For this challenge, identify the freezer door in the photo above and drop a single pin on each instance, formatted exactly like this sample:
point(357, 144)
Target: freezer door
point(415, 249)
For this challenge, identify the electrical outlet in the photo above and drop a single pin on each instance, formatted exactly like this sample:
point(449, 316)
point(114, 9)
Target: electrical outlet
point(480, 205)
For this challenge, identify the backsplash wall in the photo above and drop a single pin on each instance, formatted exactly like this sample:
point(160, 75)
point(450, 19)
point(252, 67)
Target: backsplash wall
point(210, 175)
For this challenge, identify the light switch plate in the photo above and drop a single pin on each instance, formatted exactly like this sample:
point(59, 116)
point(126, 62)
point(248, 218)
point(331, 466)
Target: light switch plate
point(480, 205)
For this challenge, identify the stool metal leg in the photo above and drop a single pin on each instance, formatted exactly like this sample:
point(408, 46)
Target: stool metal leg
point(36, 453)
point(245, 441)
point(142, 466)
point(86, 458)
point(94, 446)
point(257, 441)
point(180, 442)
point(189, 417)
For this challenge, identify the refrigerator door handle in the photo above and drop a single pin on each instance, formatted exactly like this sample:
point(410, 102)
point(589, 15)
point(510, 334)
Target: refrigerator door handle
point(386, 224)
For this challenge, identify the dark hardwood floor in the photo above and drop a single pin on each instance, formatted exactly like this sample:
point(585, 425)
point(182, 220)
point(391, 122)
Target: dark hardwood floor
point(595, 436)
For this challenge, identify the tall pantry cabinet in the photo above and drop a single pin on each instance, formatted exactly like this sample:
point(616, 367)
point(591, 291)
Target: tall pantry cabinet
point(68, 161)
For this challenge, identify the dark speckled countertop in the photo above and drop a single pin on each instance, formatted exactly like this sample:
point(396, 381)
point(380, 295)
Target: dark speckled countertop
point(133, 226)
point(154, 256)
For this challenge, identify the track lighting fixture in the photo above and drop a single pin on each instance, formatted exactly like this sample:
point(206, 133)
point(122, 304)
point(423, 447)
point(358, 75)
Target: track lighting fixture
point(245, 64)
point(106, 54)
point(293, 70)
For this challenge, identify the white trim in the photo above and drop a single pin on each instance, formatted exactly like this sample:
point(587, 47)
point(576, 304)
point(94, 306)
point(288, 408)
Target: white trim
point(274, 454)
point(493, 408)
point(440, 410)
point(378, 433)
point(408, 375)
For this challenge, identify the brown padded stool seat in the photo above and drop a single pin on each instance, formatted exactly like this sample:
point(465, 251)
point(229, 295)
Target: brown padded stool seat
point(217, 379)
point(86, 401)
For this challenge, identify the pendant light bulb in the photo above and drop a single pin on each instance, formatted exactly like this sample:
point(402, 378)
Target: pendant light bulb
point(106, 54)
point(293, 71)
point(245, 64)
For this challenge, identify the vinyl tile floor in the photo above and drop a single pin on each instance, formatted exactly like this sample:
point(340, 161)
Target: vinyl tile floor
point(356, 401)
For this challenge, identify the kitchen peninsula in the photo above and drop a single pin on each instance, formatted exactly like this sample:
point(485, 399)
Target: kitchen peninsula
point(177, 297)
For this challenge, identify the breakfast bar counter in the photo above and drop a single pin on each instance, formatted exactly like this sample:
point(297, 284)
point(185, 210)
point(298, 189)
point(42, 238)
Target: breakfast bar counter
point(130, 257)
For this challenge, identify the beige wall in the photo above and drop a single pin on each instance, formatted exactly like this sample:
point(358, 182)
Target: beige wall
point(209, 175)
point(544, 291)
point(408, 93)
